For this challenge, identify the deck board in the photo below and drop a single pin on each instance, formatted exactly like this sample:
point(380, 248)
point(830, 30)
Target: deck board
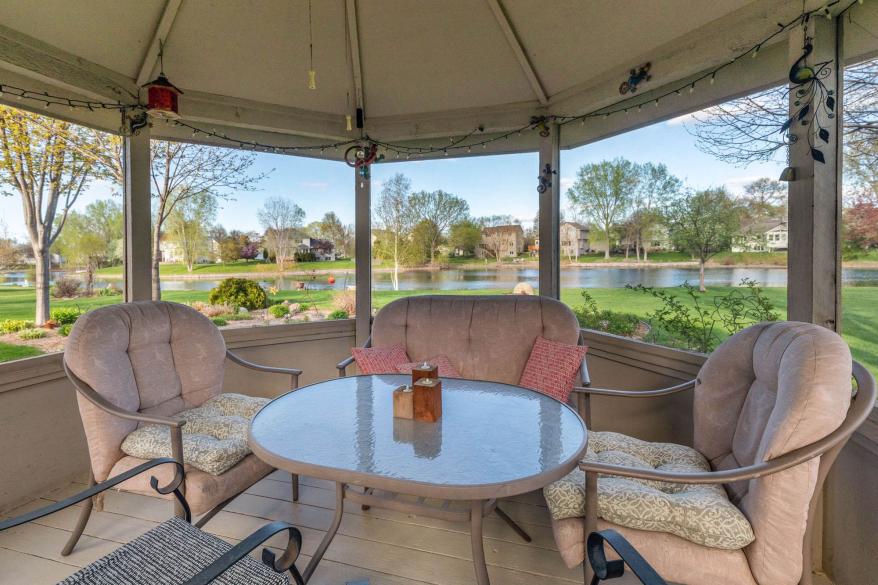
point(384, 546)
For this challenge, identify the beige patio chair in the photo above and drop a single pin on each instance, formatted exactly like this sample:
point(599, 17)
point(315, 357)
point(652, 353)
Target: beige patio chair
point(142, 363)
point(773, 407)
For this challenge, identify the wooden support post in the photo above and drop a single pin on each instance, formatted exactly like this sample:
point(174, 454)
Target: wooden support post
point(363, 254)
point(815, 194)
point(550, 212)
point(138, 216)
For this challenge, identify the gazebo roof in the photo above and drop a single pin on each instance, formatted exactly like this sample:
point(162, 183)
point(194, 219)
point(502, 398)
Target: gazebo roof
point(421, 71)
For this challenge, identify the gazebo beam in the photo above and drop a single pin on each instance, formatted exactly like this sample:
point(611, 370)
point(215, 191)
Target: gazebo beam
point(550, 211)
point(363, 254)
point(138, 216)
point(161, 33)
point(354, 40)
point(815, 194)
point(517, 49)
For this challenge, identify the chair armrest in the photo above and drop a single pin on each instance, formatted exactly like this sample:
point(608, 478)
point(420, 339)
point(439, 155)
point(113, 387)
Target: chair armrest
point(285, 563)
point(342, 366)
point(92, 396)
point(635, 393)
point(293, 373)
point(605, 570)
point(172, 487)
point(778, 464)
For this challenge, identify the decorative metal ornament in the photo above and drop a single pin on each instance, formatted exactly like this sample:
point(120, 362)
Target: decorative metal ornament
point(813, 99)
point(362, 156)
point(545, 178)
point(635, 77)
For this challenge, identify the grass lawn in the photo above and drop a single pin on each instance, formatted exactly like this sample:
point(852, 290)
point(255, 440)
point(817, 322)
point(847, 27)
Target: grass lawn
point(860, 324)
point(9, 352)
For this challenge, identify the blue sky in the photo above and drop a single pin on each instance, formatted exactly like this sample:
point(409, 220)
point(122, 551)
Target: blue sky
point(491, 184)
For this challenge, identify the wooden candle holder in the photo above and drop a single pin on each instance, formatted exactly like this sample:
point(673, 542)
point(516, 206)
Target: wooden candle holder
point(428, 399)
point(424, 370)
point(403, 403)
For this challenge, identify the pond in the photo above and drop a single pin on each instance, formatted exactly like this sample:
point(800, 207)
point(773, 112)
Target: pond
point(507, 278)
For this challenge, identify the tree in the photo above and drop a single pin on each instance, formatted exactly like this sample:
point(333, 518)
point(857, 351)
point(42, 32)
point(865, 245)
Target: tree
point(342, 236)
point(249, 251)
point(764, 198)
point(394, 215)
point(603, 192)
point(183, 172)
point(92, 238)
point(189, 227)
point(703, 223)
point(747, 129)
point(422, 241)
point(861, 224)
point(281, 218)
point(9, 256)
point(441, 210)
point(80, 246)
point(655, 185)
point(465, 236)
point(45, 161)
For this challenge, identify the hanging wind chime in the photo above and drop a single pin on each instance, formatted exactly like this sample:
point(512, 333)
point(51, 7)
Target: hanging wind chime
point(162, 94)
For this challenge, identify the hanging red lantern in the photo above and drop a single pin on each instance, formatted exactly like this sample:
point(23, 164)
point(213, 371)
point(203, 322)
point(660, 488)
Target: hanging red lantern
point(161, 93)
point(331, 279)
point(162, 98)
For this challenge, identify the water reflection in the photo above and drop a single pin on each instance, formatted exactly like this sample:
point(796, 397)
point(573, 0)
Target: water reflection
point(505, 278)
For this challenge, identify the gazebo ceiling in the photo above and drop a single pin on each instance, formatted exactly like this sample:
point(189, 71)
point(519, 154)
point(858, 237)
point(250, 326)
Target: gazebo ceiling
point(428, 69)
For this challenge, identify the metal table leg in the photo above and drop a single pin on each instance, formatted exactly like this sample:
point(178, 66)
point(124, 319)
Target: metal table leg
point(330, 533)
point(477, 509)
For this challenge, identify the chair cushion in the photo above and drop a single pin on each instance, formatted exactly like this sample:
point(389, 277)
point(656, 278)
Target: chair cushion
point(768, 390)
point(203, 490)
point(446, 368)
point(214, 436)
point(172, 553)
point(380, 360)
point(699, 513)
point(552, 367)
point(677, 560)
point(151, 357)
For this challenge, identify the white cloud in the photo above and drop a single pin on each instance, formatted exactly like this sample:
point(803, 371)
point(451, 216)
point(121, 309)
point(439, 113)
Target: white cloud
point(736, 184)
point(690, 118)
point(680, 120)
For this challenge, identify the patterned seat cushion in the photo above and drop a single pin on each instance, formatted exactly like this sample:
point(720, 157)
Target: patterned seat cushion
point(214, 436)
point(699, 513)
point(170, 554)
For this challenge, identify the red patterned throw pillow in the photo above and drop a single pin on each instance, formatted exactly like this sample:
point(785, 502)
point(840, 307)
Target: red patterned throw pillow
point(446, 368)
point(380, 360)
point(552, 368)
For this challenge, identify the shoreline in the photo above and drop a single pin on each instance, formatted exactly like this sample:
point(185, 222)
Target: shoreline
point(304, 275)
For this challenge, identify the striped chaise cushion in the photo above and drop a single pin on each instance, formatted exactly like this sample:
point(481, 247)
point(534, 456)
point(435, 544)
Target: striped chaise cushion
point(172, 553)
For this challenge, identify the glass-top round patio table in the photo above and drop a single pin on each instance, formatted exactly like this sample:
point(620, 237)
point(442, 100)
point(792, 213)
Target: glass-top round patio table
point(492, 441)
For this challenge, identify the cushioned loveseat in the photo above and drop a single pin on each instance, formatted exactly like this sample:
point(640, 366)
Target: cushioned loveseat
point(484, 337)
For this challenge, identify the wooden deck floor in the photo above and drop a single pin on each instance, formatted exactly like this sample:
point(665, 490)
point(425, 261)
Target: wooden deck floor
point(384, 546)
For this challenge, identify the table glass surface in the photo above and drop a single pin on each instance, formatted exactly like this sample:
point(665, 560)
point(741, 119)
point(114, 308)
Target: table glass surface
point(489, 433)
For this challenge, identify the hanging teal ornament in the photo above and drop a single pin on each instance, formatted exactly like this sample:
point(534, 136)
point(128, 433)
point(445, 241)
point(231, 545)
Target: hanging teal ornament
point(813, 100)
